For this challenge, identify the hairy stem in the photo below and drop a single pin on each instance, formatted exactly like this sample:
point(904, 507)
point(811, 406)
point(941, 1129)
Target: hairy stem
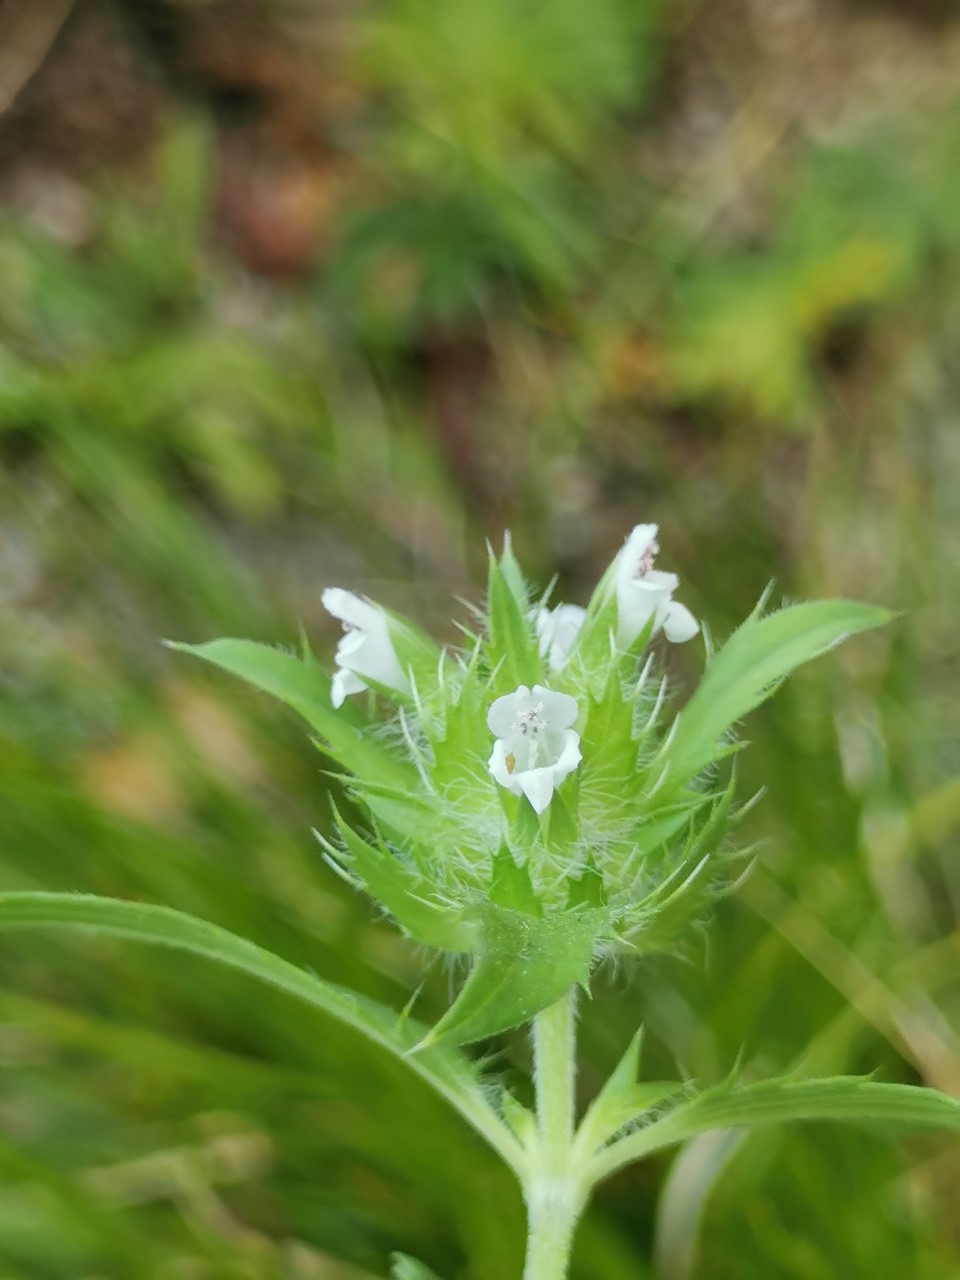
point(553, 1188)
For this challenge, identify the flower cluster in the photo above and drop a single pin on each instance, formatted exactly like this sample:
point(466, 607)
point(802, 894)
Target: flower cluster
point(520, 803)
point(536, 746)
point(533, 801)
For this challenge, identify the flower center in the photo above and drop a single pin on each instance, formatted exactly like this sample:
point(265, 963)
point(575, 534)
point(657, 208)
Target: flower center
point(531, 737)
point(531, 721)
point(648, 557)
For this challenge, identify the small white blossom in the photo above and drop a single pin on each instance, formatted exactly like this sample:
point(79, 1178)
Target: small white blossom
point(557, 631)
point(535, 747)
point(644, 592)
point(365, 651)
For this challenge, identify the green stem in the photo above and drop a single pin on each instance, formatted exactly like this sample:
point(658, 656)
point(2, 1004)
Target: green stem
point(553, 1188)
point(554, 1073)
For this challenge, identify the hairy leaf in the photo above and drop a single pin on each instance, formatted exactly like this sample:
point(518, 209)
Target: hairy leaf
point(303, 685)
point(781, 1101)
point(512, 647)
point(750, 666)
point(450, 1074)
point(523, 964)
point(404, 893)
point(622, 1099)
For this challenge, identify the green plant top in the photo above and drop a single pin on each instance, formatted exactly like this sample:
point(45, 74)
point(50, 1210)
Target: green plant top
point(535, 801)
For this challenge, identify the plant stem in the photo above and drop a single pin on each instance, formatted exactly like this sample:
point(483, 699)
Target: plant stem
point(553, 1188)
point(554, 1068)
point(553, 1209)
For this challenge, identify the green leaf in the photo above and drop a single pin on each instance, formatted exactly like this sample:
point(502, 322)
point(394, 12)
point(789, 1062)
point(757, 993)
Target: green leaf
point(559, 824)
point(406, 816)
point(403, 1267)
point(622, 1079)
point(593, 647)
point(523, 964)
point(782, 1101)
point(512, 646)
point(404, 894)
point(750, 666)
point(622, 1100)
point(457, 763)
point(525, 822)
point(303, 685)
point(419, 654)
point(511, 885)
point(608, 746)
point(665, 913)
point(654, 840)
point(521, 1119)
point(450, 1074)
point(512, 573)
point(587, 889)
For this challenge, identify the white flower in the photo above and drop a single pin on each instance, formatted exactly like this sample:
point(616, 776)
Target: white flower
point(365, 650)
point(536, 747)
point(557, 630)
point(644, 592)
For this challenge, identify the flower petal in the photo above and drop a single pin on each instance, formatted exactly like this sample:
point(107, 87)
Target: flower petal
point(504, 711)
point(633, 550)
point(350, 643)
point(497, 764)
point(557, 631)
point(366, 647)
point(350, 609)
point(344, 683)
point(569, 756)
point(634, 610)
point(679, 624)
point(559, 709)
point(657, 582)
point(537, 785)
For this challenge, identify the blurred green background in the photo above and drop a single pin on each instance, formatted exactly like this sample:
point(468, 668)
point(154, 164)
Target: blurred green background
point(302, 293)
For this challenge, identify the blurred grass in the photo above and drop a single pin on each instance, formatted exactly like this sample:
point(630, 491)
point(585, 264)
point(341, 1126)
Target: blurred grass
point(550, 298)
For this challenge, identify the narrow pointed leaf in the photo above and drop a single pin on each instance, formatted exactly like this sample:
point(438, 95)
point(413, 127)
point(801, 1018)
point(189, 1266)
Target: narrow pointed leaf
point(608, 746)
point(558, 824)
point(305, 687)
point(511, 885)
point(622, 1099)
point(595, 1127)
point(592, 648)
point(512, 573)
point(403, 893)
point(418, 653)
point(512, 648)
point(403, 1267)
point(750, 666)
point(782, 1101)
point(450, 1074)
point(520, 1119)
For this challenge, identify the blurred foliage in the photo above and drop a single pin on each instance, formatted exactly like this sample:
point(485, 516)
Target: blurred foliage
point(483, 164)
point(563, 288)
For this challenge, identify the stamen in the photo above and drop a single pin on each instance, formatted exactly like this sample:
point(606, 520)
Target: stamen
point(530, 721)
point(647, 559)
